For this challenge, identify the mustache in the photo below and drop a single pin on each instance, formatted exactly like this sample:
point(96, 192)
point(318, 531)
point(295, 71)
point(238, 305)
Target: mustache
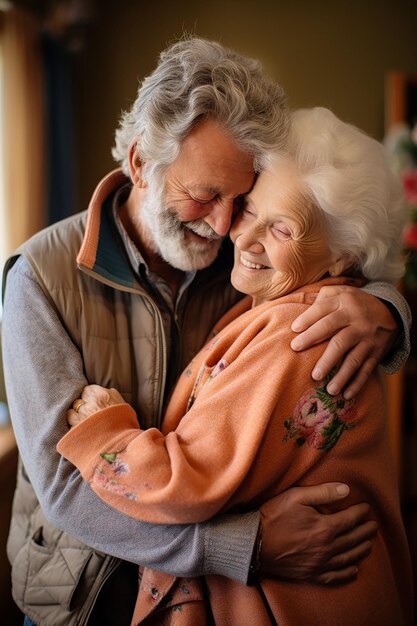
point(200, 227)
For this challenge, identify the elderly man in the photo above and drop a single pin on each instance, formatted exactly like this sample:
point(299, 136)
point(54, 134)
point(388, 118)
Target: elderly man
point(151, 279)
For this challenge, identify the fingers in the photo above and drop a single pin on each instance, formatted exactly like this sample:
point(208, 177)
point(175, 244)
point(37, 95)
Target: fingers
point(337, 577)
point(341, 379)
point(343, 567)
point(316, 328)
point(300, 543)
point(353, 546)
point(94, 391)
point(352, 364)
point(325, 304)
point(101, 395)
point(73, 418)
point(344, 528)
point(319, 494)
point(360, 379)
point(343, 522)
point(94, 399)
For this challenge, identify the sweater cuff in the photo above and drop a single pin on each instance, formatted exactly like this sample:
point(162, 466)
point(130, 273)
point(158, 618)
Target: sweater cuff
point(94, 435)
point(229, 544)
point(400, 352)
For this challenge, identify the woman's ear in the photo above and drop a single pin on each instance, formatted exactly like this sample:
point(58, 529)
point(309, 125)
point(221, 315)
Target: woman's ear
point(136, 166)
point(338, 267)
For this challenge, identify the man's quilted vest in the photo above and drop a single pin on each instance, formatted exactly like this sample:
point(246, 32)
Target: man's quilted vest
point(56, 578)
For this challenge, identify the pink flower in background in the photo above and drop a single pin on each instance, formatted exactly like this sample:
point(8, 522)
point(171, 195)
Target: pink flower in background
point(401, 142)
point(410, 186)
point(410, 236)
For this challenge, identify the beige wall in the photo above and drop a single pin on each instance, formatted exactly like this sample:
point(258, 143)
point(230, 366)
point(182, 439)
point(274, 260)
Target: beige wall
point(333, 53)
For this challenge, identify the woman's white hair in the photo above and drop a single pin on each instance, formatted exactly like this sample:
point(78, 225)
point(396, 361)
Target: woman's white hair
point(348, 175)
point(194, 79)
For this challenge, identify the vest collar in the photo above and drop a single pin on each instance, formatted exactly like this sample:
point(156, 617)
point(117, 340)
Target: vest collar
point(102, 250)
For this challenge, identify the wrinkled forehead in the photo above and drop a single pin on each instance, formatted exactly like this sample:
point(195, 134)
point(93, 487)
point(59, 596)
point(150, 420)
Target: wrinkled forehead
point(209, 160)
point(280, 190)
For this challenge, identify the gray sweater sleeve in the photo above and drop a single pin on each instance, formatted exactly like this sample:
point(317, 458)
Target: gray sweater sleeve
point(401, 350)
point(44, 375)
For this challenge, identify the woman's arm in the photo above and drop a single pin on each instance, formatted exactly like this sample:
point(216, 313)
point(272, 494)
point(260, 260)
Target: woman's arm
point(193, 472)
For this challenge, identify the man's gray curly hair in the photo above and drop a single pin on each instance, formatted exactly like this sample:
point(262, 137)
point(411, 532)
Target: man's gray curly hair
point(197, 79)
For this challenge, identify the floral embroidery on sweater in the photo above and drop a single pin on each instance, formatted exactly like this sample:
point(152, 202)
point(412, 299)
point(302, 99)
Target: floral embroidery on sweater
point(221, 365)
point(107, 472)
point(320, 419)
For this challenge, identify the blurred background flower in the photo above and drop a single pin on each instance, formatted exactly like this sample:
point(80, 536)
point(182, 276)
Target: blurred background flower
point(401, 142)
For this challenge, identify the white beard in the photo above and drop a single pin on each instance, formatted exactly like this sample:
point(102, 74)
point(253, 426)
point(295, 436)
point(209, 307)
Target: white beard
point(168, 233)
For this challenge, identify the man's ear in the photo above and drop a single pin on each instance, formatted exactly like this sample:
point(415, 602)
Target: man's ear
point(136, 166)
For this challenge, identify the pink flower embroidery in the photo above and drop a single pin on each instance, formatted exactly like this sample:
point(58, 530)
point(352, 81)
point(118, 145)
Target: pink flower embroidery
point(319, 419)
point(345, 411)
point(309, 417)
point(107, 472)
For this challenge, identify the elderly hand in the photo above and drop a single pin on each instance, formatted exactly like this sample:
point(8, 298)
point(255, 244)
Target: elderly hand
point(93, 399)
point(361, 330)
point(300, 543)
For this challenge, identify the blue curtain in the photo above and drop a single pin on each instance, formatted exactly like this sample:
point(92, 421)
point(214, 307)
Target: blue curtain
point(60, 128)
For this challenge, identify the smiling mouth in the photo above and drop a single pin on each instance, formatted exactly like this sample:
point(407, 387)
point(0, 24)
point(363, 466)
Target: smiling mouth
point(206, 235)
point(252, 266)
point(191, 235)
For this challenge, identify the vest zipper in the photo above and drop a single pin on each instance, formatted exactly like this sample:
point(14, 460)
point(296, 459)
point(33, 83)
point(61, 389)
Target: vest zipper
point(112, 564)
point(161, 347)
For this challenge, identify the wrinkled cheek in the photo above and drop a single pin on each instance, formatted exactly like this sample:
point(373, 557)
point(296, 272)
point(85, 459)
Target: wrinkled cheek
point(286, 275)
point(281, 284)
point(185, 211)
point(297, 264)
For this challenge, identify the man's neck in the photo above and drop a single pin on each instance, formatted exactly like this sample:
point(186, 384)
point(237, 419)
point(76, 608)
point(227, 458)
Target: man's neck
point(129, 214)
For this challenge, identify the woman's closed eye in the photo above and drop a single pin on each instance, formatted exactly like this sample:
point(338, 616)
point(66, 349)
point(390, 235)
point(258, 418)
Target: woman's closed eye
point(281, 230)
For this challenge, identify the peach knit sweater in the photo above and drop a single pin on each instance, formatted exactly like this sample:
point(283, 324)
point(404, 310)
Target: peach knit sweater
point(244, 423)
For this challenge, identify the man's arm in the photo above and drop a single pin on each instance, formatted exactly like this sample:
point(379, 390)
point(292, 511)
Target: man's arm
point(363, 332)
point(44, 374)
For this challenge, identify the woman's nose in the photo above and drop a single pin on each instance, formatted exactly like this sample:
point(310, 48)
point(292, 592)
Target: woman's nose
point(249, 242)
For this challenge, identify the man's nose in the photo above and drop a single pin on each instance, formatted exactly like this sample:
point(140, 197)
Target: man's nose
point(220, 216)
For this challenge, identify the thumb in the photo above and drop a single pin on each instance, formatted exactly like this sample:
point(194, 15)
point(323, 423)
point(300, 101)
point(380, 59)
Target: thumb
point(322, 494)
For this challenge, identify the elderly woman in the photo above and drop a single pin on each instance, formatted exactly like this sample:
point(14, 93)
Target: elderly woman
point(245, 422)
